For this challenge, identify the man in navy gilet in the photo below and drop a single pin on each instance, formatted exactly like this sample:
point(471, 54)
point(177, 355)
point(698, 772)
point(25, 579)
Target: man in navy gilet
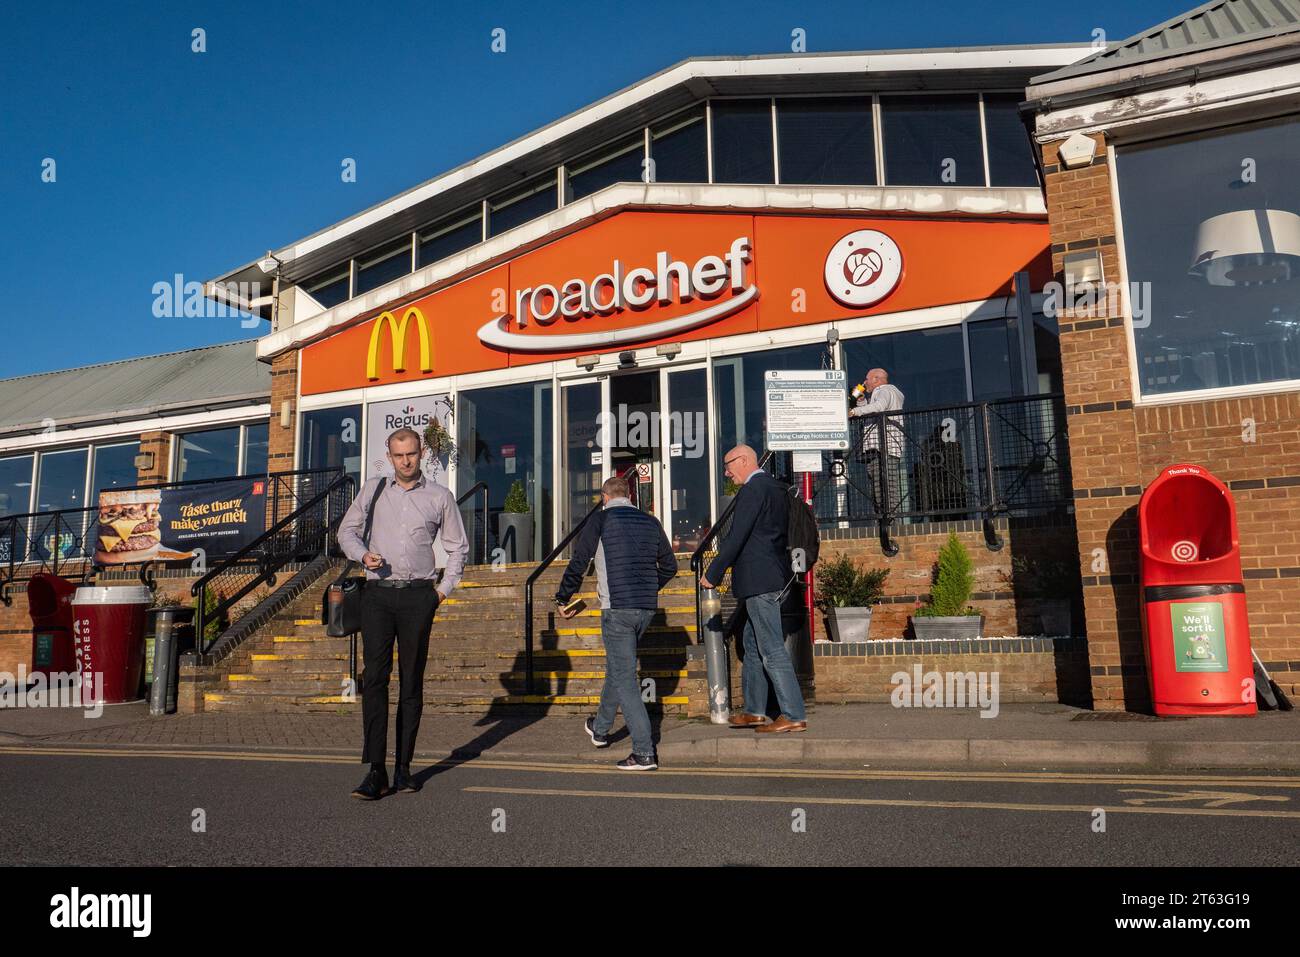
point(633, 561)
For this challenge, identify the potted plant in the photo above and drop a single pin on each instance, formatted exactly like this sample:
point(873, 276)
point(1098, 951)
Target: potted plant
point(439, 441)
point(515, 524)
point(846, 595)
point(948, 614)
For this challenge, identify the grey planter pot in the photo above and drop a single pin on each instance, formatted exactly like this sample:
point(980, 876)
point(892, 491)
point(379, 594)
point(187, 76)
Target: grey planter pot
point(848, 624)
point(957, 628)
point(515, 535)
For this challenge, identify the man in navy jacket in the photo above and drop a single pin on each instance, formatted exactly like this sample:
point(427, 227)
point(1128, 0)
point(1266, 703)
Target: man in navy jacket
point(633, 561)
point(755, 550)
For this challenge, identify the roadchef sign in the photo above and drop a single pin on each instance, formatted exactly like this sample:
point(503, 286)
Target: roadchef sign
point(623, 289)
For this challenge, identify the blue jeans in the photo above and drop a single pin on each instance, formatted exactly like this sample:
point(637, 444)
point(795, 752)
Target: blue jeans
point(765, 655)
point(620, 630)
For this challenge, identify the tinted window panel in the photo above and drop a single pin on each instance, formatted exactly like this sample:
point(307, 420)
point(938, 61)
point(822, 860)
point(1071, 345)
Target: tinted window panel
point(826, 141)
point(256, 446)
point(1011, 157)
point(624, 167)
point(443, 242)
point(927, 365)
point(742, 141)
point(514, 211)
point(375, 269)
point(995, 366)
point(329, 290)
point(932, 140)
point(679, 149)
point(210, 454)
point(331, 439)
point(16, 484)
point(114, 467)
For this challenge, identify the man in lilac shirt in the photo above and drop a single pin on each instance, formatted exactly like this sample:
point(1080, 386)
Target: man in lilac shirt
point(400, 599)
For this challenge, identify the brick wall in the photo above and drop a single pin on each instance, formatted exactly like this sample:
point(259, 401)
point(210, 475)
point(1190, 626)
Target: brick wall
point(159, 443)
point(1009, 608)
point(1116, 450)
point(1027, 669)
point(284, 387)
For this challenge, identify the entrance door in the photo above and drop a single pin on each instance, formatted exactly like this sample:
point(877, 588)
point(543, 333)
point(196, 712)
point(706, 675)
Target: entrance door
point(651, 426)
point(687, 462)
point(583, 460)
point(634, 441)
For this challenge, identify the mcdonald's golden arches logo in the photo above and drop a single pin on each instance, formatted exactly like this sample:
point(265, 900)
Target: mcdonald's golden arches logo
point(397, 336)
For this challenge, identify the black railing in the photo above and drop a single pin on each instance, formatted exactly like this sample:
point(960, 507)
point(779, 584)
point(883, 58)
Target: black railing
point(306, 531)
point(45, 542)
point(478, 534)
point(972, 461)
point(528, 593)
point(287, 491)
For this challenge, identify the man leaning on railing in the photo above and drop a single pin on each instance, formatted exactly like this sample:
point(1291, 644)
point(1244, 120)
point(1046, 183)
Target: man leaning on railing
point(876, 396)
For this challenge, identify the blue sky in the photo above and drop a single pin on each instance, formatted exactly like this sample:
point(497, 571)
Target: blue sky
point(170, 161)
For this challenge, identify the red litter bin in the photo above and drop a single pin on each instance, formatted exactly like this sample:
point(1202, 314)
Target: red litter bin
point(108, 631)
point(49, 602)
point(1193, 600)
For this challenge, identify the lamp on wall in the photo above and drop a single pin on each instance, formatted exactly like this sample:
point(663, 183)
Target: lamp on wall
point(1247, 247)
point(286, 414)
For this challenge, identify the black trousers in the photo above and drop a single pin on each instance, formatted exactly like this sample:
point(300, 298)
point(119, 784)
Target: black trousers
point(405, 614)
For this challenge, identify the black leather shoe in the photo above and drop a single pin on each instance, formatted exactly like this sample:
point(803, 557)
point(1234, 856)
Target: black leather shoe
point(373, 787)
point(402, 780)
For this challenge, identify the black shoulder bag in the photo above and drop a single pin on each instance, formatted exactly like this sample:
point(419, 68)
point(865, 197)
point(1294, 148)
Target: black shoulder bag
point(341, 603)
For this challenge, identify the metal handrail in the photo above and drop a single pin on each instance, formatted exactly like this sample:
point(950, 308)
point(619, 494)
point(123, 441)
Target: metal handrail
point(269, 561)
point(528, 593)
point(480, 488)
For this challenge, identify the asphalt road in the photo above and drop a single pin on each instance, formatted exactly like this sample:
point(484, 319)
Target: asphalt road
point(133, 807)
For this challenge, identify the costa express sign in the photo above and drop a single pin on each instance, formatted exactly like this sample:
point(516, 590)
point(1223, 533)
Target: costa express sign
point(640, 279)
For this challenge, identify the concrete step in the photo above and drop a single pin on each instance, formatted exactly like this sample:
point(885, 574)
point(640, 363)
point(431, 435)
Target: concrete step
point(476, 703)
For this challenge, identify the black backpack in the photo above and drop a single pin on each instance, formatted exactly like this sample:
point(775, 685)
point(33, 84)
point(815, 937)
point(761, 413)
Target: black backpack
point(801, 529)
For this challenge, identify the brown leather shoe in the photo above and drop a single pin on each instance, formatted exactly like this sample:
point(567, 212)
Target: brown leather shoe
point(746, 720)
point(781, 725)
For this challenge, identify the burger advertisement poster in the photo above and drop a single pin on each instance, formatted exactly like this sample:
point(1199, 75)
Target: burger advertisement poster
point(171, 524)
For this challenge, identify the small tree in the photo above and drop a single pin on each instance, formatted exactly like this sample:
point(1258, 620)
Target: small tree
point(953, 583)
point(842, 584)
point(516, 500)
point(213, 624)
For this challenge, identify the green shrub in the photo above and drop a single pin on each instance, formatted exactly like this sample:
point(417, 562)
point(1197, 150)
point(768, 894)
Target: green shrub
point(953, 583)
point(842, 584)
point(516, 500)
point(213, 624)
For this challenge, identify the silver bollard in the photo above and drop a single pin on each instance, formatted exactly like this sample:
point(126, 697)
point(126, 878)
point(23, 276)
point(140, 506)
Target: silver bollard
point(715, 657)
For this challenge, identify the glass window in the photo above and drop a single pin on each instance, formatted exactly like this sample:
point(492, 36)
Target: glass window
point(742, 141)
point(619, 165)
point(927, 365)
point(331, 439)
point(680, 148)
point(450, 237)
point(740, 404)
point(1212, 241)
point(256, 446)
point(213, 453)
point(826, 141)
point(16, 484)
point(515, 209)
point(996, 369)
point(330, 288)
point(932, 140)
point(383, 265)
point(62, 479)
point(114, 467)
point(1011, 155)
point(504, 436)
point(1047, 353)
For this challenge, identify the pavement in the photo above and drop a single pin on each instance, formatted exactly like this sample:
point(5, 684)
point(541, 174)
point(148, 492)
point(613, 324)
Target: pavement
point(1036, 736)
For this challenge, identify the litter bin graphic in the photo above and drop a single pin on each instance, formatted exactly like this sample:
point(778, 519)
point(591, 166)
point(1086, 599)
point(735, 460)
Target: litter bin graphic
point(49, 601)
point(108, 634)
point(1193, 601)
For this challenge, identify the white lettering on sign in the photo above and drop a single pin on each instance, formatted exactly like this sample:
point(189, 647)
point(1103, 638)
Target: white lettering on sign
point(622, 289)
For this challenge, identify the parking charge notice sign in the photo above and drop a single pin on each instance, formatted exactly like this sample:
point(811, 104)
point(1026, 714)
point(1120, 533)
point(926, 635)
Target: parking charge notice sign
point(1199, 643)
